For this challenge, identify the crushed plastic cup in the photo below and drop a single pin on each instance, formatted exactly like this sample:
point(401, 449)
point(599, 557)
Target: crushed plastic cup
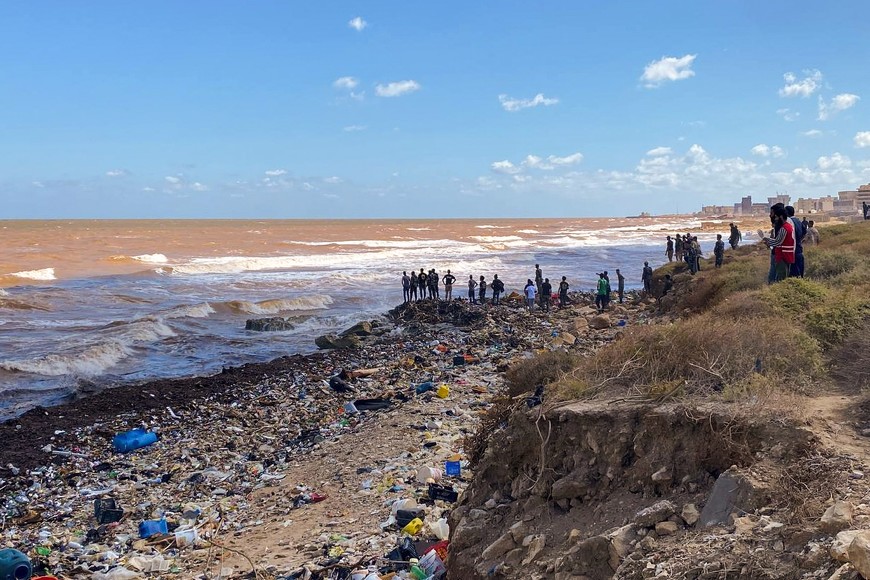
point(350, 408)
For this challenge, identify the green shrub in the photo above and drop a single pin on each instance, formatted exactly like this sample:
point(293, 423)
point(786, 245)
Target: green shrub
point(829, 323)
point(824, 264)
point(794, 295)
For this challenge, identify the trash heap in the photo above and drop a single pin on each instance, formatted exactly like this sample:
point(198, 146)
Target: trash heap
point(345, 464)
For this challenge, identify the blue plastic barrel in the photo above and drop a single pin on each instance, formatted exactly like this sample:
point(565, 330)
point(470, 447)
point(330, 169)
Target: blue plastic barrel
point(14, 565)
point(134, 439)
point(150, 528)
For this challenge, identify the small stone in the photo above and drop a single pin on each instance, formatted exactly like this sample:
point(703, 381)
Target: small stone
point(666, 528)
point(663, 474)
point(658, 512)
point(857, 475)
point(837, 517)
point(690, 514)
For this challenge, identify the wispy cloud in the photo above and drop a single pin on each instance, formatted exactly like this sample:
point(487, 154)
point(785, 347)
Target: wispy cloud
point(397, 89)
point(763, 150)
point(548, 163)
point(332, 179)
point(117, 173)
point(659, 151)
point(172, 179)
point(354, 128)
point(862, 139)
point(276, 172)
point(345, 83)
point(357, 23)
point(839, 103)
point(804, 87)
point(505, 167)
point(511, 104)
point(788, 114)
point(812, 133)
point(668, 68)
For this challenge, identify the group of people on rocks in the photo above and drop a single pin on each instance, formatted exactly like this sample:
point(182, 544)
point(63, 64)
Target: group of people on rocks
point(685, 248)
point(786, 240)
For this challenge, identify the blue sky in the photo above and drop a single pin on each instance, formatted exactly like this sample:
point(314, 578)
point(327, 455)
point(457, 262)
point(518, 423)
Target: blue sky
point(404, 109)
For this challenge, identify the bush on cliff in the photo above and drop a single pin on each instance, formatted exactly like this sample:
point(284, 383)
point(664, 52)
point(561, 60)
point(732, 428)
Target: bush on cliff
point(541, 369)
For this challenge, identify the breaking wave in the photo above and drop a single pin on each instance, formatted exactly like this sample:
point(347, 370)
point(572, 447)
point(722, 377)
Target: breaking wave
point(90, 362)
point(43, 274)
point(274, 306)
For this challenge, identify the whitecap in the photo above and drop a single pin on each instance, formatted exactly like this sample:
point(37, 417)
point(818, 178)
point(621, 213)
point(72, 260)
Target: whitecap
point(90, 362)
point(151, 258)
point(43, 274)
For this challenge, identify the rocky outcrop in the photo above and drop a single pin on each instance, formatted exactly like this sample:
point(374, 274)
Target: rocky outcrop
point(362, 328)
point(274, 324)
point(333, 341)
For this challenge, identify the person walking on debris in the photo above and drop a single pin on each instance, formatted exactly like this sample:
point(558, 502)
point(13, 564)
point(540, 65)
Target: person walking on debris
point(413, 288)
point(620, 285)
point(406, 287)
point(678, 248)
point(669, 249)
point(783, 243)
point(811, 238)
point(563, 292)
point(601, 294)
point(796, 270)
point(482, 290)
point(734, 237)
point(719, 250)
point(497, 288)
point(539, 278)
point(646, 278)
point(530, 290)
point(448, 280)
point(471, 287)
point(546, 292)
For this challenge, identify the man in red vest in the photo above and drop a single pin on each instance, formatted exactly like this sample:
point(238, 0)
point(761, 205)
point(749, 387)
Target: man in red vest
point(783, 244)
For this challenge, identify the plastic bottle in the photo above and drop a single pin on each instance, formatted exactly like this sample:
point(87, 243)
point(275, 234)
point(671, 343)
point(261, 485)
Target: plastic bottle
point(14, 565)
point(135, 439)
point(416, 571)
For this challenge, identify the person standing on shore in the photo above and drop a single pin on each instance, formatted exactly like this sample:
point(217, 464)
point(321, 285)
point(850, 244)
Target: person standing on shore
point(646, 278)
point(448, 280)
point(530, 290)
point(546, 292)
point(482, 290)
point(607, 278)
point(734, 237)
point(782, 244)
point(620, 285)
point(413, 289)
point(406, 287)
point(563, 292)
point(719, 250)
point(601, 294)
point(471, 286)
point(669, 249)
point(811, 238)
point(497, 288)
point(539, 278)
point(797, 269)
point(422, 284)
point(678, 248)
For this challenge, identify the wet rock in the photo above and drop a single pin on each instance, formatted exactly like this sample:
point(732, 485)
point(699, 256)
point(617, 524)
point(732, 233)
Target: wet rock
point(274, 324)
point(332, 341)
point(658, 512)
point(837, 517)
point(363, 328)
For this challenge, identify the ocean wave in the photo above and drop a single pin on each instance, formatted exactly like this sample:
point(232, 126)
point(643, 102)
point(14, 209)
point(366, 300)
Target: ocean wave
point(491, 227)
point(13, 304)
point(151, 258)
point(91, 361)
point(43, 274)
point(496, 239)
point(419, 229)
point(202, 310)
point(528, 232)
point(142, 330)
point(276, 305)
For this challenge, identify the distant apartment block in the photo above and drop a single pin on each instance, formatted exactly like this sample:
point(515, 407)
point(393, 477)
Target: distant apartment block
point(847, 203)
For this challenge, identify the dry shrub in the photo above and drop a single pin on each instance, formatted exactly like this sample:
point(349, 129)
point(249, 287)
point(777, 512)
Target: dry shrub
point(541, 369)
point(805, 485)
point(825, 264)
point(702, 354)
point(711, 286)
point(744, 305)
point(493, 419)
point(849, 362)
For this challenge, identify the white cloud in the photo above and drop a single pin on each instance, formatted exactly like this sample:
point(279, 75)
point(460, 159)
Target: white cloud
point(812, 133)
point(505, 167)
point(276, 172)
point(862, 139)
point(147, 189)
point(788, 114)
point(38, 184)
point(397, 89)
point(839, 103)
point(346, 83)
point(768, 150)
point(117, 173)
point(668, 68)
point(803, 87)
point(353, 128)
point(659, 151)
point(357, 23)
point(172, 179)
point(835, 161)
point(332, 179)
point(197, 186)
point(513, 105)
point(567, 160)
point(548, 164)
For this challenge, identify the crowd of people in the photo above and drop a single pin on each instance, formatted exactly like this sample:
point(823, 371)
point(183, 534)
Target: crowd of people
point(786, 239)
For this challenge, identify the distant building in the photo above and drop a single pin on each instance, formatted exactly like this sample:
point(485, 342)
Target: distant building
point(746, 205)
point(782, 198)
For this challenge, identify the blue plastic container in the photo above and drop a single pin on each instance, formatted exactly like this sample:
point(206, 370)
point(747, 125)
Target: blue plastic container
point(135, 439)
point(14, 565)
point(423, 387)
point(150, 528)
point(452, 468)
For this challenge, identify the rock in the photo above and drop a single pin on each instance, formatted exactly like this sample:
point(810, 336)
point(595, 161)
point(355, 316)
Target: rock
point(536, 545)
point(837, 517)
point(331, 341)
point(666, 528)
point(732, 492)
point(504, 544)
point(567, 488)
point(843, 572)
point(580, 325)
point(274, 324)
point(859, 554)
point(743, 525)
point(690, 514)
point(621, 544)
point(840, 547)
point(663, 474)
point(363, 328)
point(600, 322)
point(658, 512)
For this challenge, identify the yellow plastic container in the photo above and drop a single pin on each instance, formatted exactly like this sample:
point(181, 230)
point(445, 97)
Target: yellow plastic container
point(414, 526)
point(443, 391)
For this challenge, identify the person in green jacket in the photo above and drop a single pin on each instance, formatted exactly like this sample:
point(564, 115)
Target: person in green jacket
point(601, 297)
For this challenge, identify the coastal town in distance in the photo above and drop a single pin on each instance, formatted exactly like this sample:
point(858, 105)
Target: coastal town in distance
point(847, 206)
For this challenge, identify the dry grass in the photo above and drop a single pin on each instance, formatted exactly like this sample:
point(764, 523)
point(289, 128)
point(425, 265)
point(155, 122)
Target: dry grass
point(542, 369)
point(851, 368)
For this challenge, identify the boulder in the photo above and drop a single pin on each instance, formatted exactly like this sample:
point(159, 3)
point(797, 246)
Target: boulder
point(839, 550)
point(600, 322)
point(274, 324)
point(690, 514)
point(504, 544)
point(580, 325)
point(622, 542)
point(331, 341)
point(536, 545)
point(837, 517)
point(658, 512)
point(666, 528)
point(363, 328)
point(733, 492)
point(859, 554)
point(568, 488)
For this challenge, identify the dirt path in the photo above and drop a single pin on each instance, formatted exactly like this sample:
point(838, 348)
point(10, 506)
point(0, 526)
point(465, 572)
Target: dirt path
point(839, 419)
